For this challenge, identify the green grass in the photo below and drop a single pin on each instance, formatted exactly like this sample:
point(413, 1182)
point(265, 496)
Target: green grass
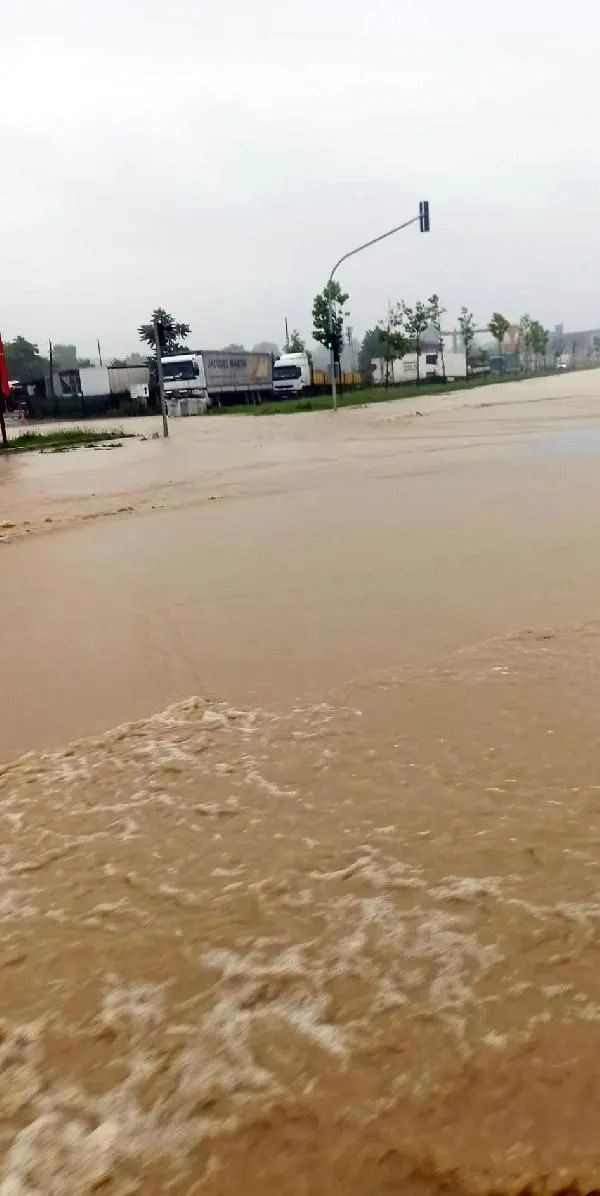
point(58, 440)
point(372, 394)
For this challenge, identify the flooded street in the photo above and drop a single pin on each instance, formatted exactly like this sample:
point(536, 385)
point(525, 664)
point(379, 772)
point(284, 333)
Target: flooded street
point(273, 558)
point(299, 804)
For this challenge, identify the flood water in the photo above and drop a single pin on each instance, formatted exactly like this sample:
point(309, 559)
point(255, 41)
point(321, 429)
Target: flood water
point(299, 856)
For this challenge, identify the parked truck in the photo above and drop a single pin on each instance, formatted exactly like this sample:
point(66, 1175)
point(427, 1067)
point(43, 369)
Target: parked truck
point(431, 365)
point(207, 377)
point(294, 375)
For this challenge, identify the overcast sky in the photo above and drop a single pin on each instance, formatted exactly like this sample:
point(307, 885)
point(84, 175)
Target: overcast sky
point(217, 156)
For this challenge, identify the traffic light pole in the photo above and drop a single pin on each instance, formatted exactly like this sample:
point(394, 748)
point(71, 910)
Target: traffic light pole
point(161, 381)
point(423, 220)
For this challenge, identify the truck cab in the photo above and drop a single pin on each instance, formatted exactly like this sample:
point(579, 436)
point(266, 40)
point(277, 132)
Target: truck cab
point(184, 376)
point(292, 374)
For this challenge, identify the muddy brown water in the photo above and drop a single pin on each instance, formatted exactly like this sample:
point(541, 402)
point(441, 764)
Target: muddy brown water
point(331, 924)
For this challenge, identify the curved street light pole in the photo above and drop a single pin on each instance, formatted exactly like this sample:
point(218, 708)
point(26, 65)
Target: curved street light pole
point(423, 220)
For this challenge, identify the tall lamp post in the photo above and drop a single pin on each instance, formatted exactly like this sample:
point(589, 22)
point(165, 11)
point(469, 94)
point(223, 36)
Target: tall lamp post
point(423, 220)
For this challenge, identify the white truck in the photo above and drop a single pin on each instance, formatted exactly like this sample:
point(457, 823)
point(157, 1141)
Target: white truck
point(404, 369)
point(292, 374)
point(204, 377)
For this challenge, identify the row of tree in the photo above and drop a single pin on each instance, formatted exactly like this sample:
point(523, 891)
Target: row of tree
point(400, 334)
point(405, 327)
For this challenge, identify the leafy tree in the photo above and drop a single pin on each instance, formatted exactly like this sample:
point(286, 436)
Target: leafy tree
point(84, 362)
point(596, 346)
point(332, 295)
point(416, 322)
point(539, 339)
point(525, 345)
point(295, 343)
point(23, 360)
point(436, 312)
point(466, 323)
point(234, 347)
point(393, 339)
point(498, 327)
point(371, 347)
point(266, 347)
point(64, 357)
point(174, 332)
point(118, 363)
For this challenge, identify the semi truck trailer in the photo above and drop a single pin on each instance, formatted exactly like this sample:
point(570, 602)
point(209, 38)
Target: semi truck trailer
point(216, 376)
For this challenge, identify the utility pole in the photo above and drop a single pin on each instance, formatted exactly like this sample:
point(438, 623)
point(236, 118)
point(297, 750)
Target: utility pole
point(423, 219)
point(4, 393)
point(51, 363)
point(287, 336)
point(388, 346)
point(350, 342)
point(332, 377)
point(158, 333)
point(99, 352)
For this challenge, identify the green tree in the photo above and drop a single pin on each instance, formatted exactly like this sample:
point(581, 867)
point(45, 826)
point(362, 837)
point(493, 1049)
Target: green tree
point(539, 340)
point(64, 357)
point(326, 333)
point(393, 339)
point(266, 347)
point(371, 347)
point(466, 323)
point(295, 343)
point(118, 363)
point(234, 347)
point(416, 321)
point(436, 314)
point(498, 327)
point(24, 362)
point(525, 338)
point(174, 332)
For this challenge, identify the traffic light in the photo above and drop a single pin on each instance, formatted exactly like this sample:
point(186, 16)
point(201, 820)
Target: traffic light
point(424, 215)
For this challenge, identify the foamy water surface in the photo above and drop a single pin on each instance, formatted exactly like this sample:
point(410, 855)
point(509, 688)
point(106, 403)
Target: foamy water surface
point(348, 946)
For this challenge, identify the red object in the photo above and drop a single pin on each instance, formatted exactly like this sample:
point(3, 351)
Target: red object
point(4, 387)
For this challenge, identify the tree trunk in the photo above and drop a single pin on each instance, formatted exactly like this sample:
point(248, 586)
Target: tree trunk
point(337, 366)
point(418, 361)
